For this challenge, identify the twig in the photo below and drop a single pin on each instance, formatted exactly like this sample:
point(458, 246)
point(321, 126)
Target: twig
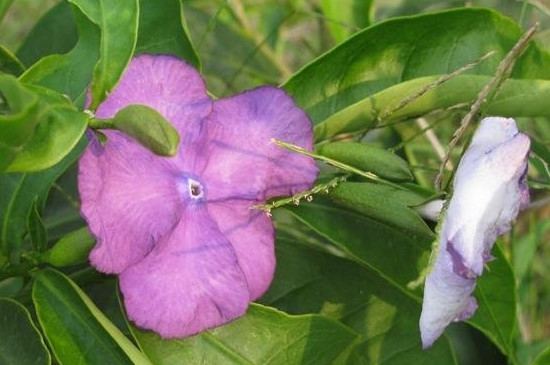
point(501, 73)
point(409, 99)
point(434, 141)
point(307, 195)
point(367, 174)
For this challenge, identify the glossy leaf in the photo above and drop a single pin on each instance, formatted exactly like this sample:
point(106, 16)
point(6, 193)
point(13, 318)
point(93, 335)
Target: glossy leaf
point(346, 17)
point(395, 255)
point(59, 130)
point(398, 257)
point(21, 342)
point(385, 204)
point(19, 192)
point(69, 73)
point(118, 21)
point(18, 120)
point(515, 98)
point(308, 281)
point(264, 336)
point(9, 63)
point(162, 32)
point(405, 49)
point(496, 296)
point(54, 33)
point(76, 330)
point(71, 249)
point(368, 158)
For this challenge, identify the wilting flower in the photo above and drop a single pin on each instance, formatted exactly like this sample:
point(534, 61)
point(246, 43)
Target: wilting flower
point(180, 231)
point(489, 191)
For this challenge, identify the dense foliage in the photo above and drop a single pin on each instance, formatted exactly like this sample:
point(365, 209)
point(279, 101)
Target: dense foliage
point(385, 84)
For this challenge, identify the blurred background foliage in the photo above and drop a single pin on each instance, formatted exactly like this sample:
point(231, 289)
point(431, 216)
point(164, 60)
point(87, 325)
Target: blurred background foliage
point(246, 43)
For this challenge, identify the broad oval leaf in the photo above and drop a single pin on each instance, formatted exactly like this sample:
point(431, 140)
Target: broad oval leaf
point(162, 32)
point(54, 33)
point(76, 330)
point(19, 115)
point(59, 129)
point(407, 48)
point(378, 245)
point(264, 336)
point(21, 342)
point(515, 98)
point(118, 22)
point(19, 193)
point(496, 294)
point(69, 73)
point(385, 204)
point(309, 281)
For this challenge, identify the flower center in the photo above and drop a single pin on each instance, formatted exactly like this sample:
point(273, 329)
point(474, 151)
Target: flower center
point(195, 189)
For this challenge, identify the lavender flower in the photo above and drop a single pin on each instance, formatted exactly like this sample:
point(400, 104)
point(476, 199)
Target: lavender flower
point(180, 231)
point(489, 191)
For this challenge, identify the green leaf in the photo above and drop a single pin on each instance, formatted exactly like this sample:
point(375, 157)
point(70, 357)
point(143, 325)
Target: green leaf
point(368, 158)
point(161, 32)
point(18, 118)
point(385, 204)
point(9, 63)
point(397, 256)
point(145, 125)
point(61, 127)
point(21, 342)
point(496, 296)
point(71, 249)
point(543, 358)
point(406, 49)
point(264, 336)
point(19, 192)
point(75, 329)
point(346, 17)
point(309, 281)
point(118, 22)
point(36, 228)
point(54, 33)
point(515, 98)
point(69, 73)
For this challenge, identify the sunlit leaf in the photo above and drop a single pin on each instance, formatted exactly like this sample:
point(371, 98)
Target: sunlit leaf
point(75, 329)
point(264, 336)
point(308, 281)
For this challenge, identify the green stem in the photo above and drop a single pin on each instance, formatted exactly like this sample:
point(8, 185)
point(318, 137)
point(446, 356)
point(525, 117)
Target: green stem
point(97, 123)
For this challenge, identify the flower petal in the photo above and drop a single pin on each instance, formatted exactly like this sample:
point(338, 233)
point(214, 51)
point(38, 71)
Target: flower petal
point(191, 280)
point(489, 190)
point(252, 236)
point(129, 196)
point(128, 199)
point(446, 299)
point(243, 162)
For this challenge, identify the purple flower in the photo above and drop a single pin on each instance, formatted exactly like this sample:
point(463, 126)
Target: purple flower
point(489, 190)
point(180, 231)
